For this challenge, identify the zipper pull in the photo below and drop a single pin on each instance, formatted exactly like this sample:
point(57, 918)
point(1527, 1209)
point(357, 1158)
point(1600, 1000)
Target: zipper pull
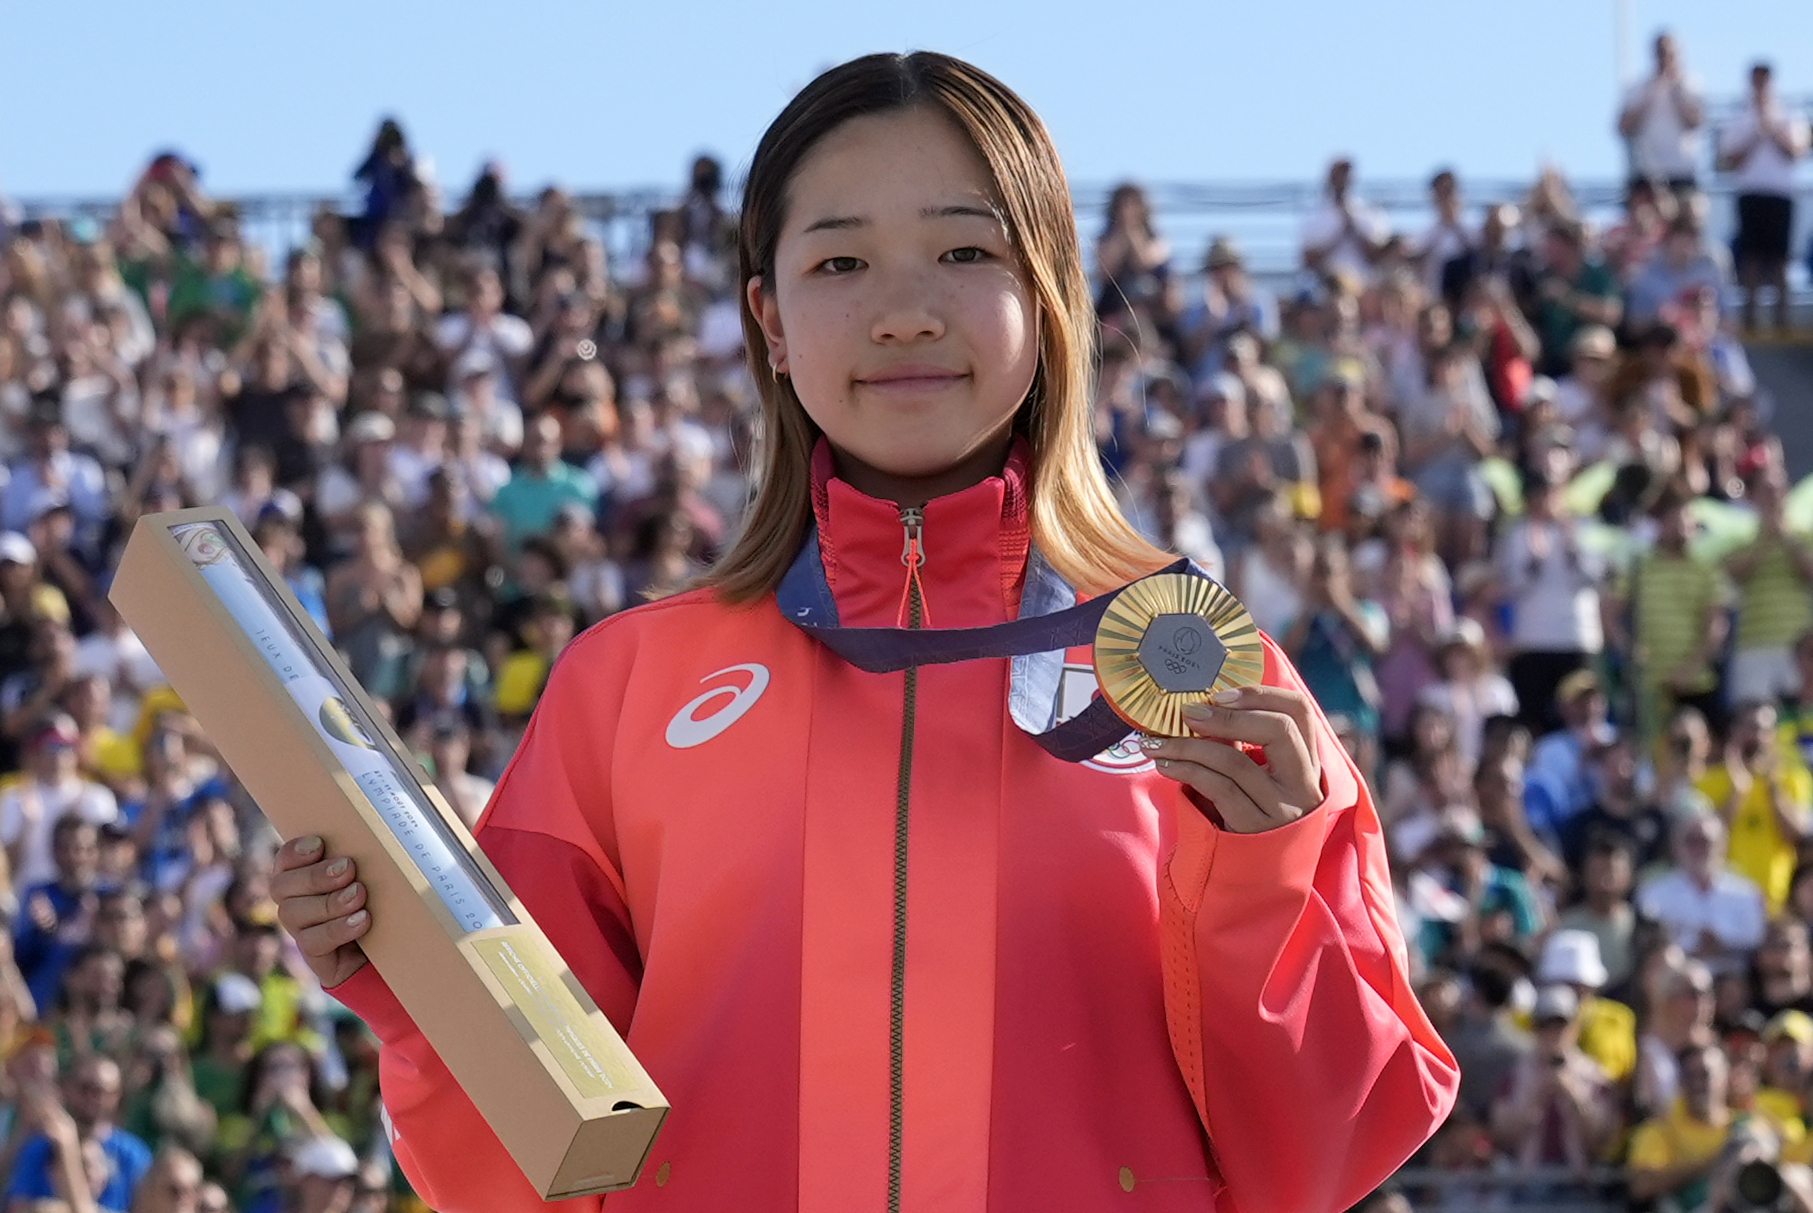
point(912, 554)
point(912, 518)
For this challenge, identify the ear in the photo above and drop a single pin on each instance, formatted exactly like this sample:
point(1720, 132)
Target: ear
point(766, 309)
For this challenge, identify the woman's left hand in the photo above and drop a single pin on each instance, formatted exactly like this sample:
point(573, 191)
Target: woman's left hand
point(1250, 797)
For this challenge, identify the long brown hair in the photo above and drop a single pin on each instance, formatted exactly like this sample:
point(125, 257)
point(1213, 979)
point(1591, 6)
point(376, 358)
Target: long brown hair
point(1075, 522)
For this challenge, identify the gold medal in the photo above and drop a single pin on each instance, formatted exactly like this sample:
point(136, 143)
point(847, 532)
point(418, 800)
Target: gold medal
point(1171, 640)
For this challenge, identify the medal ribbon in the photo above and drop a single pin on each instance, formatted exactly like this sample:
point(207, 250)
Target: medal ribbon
point(1051, 622)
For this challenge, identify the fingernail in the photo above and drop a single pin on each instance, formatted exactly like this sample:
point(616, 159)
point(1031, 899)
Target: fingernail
point(338, 867)
point(308, 846)
point(358, 920)
point(1149, 743)
point(349, 894)
point(1198, 711)
point(1226, 696)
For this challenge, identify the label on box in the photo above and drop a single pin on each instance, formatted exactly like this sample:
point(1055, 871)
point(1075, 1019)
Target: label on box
point(528, 975)
point(391, 790)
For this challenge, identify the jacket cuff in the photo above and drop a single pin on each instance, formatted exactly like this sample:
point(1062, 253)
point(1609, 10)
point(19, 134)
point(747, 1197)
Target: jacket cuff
point(367, 995)
point(1283, 857)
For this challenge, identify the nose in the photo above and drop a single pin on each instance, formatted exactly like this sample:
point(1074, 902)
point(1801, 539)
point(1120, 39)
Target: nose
point(907, 311)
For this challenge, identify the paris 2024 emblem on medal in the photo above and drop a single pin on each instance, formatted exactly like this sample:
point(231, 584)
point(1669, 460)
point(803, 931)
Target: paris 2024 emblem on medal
point(1169, 641)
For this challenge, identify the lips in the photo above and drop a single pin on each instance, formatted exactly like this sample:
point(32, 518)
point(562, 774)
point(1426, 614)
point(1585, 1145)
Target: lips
point(911, 377)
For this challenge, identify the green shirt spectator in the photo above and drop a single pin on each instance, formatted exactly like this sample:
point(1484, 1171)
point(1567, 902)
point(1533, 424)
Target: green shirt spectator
point(540, 485)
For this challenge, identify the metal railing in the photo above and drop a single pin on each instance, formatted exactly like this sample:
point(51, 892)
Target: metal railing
point(1264, 217)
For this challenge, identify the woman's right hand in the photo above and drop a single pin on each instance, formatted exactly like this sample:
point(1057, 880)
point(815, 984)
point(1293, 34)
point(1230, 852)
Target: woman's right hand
point(321, 903)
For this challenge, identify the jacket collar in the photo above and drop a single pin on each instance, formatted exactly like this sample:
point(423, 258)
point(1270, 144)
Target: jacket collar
point(975, 543)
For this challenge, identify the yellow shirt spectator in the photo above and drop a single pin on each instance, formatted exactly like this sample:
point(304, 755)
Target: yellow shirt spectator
point(519, 682)
point(1759, 848)
point(1678, 1138)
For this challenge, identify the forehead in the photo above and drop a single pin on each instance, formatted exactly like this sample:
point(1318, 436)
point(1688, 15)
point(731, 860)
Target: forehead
point(886, 166)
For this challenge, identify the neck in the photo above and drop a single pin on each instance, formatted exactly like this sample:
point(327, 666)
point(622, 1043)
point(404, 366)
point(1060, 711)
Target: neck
point(915, 490)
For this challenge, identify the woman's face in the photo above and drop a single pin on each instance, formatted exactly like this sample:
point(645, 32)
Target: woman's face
point(898, 307)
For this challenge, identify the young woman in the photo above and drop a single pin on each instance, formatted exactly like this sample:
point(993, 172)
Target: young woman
point(879, 948)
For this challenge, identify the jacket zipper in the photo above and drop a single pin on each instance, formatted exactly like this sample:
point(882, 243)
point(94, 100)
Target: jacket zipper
point(912, 521)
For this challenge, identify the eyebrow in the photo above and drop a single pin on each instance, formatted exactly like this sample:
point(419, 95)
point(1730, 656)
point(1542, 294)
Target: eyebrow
point(844, 223)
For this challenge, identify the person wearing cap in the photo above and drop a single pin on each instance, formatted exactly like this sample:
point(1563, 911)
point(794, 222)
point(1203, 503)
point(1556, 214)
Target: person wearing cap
point(326, 1171)
point(1230, 302)
point(52, 788)
point(1762, 801)
point(222, 1053)
point(421, 446)
point(1581, 395)
point(1606, 1028)
point(1557, 1107)
point(499, 418)
point(1787, 1066)
point(1560, 760)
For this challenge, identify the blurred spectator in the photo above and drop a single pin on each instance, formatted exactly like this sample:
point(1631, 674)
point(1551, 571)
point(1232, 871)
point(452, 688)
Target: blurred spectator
point(1551, 584)
point(1133, 261)
point(1759, 149)
point(1343, 234)
point(1675, 1153)
point(1660, 121)
point(1715, 915)
point(1762, 802)
point(541, 483)
point(1676, 601)
point(1444, 471)
point(1664, 286)
point(56, 1162)
point(1618, 809)
point(1774, 579)
point(32, 809)
point(1557, 1107)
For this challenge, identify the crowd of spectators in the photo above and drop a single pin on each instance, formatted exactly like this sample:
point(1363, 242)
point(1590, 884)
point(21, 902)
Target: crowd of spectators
point(1503, 487)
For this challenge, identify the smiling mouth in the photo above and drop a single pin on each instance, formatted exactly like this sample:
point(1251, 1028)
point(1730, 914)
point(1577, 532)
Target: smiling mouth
point(915, 381)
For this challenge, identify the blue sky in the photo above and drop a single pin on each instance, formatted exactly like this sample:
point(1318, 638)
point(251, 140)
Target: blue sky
point(281, 95)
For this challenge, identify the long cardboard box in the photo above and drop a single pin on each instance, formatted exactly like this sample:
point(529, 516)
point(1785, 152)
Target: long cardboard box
point(526, 1042)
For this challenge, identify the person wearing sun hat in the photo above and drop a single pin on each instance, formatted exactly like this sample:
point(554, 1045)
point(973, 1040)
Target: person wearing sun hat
point(1608, 1029)
point(1787, 1064)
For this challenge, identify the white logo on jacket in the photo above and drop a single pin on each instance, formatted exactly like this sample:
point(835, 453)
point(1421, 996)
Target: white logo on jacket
point(1075, 692)
point(688, 729)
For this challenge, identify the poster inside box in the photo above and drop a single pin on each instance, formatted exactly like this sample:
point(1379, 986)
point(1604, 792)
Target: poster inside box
point(527, 1044)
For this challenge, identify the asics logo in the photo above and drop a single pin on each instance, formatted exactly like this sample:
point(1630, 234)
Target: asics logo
point(688, 729)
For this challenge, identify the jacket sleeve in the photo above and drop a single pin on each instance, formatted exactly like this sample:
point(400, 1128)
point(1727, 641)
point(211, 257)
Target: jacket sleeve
point(1312, 1065)
point(539, 834)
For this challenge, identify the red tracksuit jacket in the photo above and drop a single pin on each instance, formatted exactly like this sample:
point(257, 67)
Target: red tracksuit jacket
point(1102, 1000)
